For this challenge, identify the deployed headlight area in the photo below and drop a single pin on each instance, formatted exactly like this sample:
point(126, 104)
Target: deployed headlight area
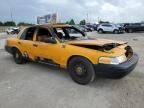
point(114, 60)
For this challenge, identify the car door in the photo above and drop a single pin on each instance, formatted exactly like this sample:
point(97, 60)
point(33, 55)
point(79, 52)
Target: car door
point(110, 28)
point(45, 52)
point(26, 43)
point(137, 27)
point(107, 27)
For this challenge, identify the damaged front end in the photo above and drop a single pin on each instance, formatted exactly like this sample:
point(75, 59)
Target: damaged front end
point(108, 48)
point(104, 48)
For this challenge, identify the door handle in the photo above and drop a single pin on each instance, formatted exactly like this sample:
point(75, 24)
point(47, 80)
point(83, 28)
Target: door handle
point(35, 45)
point(19, 42)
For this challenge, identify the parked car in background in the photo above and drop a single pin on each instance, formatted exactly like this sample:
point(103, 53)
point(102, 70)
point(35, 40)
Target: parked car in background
point(92, 27)
point(134, 27)
point(80, 28)
point(111, 28)
point(12, 30)
point(95, 26)
point(86, 28)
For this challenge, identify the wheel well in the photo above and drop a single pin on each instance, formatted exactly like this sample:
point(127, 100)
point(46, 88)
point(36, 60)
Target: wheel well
point(115, 30)
point(100, 29)
point(70, 58)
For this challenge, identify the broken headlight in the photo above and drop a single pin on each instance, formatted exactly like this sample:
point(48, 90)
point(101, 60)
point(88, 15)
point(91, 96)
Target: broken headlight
point(114, 60)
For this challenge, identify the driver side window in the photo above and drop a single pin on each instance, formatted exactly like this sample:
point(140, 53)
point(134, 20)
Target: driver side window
point(42, 34)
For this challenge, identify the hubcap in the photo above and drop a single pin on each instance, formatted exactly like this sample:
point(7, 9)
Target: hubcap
point(79, 70)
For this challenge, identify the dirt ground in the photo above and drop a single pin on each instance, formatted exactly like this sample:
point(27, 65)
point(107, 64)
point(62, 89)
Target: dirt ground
point(34, 85)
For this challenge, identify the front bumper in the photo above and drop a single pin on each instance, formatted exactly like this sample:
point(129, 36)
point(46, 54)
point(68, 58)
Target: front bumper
point(116, 71)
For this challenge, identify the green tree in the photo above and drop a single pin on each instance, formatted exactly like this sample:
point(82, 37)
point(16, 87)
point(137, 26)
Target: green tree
point(82, 22)
point(101, 22)
point(67, 22)
point(72, 22)
point(24, 24)
point(9, 23)
point(1, 23)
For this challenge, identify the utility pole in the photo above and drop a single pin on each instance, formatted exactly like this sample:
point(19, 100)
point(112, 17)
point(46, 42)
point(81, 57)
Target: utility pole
point(87, 18)
point(11, 16)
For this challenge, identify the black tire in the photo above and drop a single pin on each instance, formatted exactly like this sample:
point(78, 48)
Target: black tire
point(100, 31)
point(18, 58)
point(81, 70)
point(115, 31)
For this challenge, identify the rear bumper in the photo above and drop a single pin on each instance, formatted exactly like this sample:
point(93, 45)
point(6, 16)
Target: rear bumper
point(116, 71)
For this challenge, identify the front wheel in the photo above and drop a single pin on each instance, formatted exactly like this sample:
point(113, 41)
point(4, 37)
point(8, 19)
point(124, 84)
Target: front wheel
point(18, 58)
point(81, 70)
point(100, 31)
point(115, 31)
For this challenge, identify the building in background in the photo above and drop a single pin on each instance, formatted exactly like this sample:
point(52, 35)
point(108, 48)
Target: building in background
point(48, 19)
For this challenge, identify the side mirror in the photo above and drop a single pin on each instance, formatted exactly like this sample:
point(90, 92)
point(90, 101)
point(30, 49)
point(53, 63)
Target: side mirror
point(50, 40)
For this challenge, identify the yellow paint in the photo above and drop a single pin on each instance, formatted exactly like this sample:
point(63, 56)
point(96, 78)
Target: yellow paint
point(61, 52)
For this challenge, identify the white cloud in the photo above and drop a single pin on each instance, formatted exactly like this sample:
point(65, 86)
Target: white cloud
point(53, 2)
point(91, 4)
point(112, 10)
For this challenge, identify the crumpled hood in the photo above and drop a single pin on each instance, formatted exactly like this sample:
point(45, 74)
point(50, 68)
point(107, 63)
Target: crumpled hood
point(97, 42)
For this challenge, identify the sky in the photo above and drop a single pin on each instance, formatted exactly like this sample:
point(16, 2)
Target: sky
point(92, 10)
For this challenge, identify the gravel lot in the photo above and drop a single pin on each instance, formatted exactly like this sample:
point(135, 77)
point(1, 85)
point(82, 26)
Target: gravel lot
point(34, 85)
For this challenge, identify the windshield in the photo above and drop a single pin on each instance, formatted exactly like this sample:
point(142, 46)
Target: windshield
point(69, 33)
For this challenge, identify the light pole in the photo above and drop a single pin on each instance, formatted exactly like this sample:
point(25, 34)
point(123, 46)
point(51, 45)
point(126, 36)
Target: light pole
point(87, 17)
point(11, 17)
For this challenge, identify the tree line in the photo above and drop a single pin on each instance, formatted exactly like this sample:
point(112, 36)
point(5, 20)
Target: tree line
point(72, 22)
point(12, 23)
point(83, 22)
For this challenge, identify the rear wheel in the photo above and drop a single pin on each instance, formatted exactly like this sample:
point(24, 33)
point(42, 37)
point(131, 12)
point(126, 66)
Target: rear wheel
point(100, 31)
point(18, 58)
point(115, 31)
point(81, 70)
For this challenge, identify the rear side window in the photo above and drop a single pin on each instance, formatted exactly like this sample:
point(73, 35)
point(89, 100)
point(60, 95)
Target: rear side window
point(28, 34)
point(107, 25)
point(42, 34)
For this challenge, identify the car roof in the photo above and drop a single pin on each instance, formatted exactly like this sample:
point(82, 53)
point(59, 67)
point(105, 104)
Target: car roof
point(48, 26)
